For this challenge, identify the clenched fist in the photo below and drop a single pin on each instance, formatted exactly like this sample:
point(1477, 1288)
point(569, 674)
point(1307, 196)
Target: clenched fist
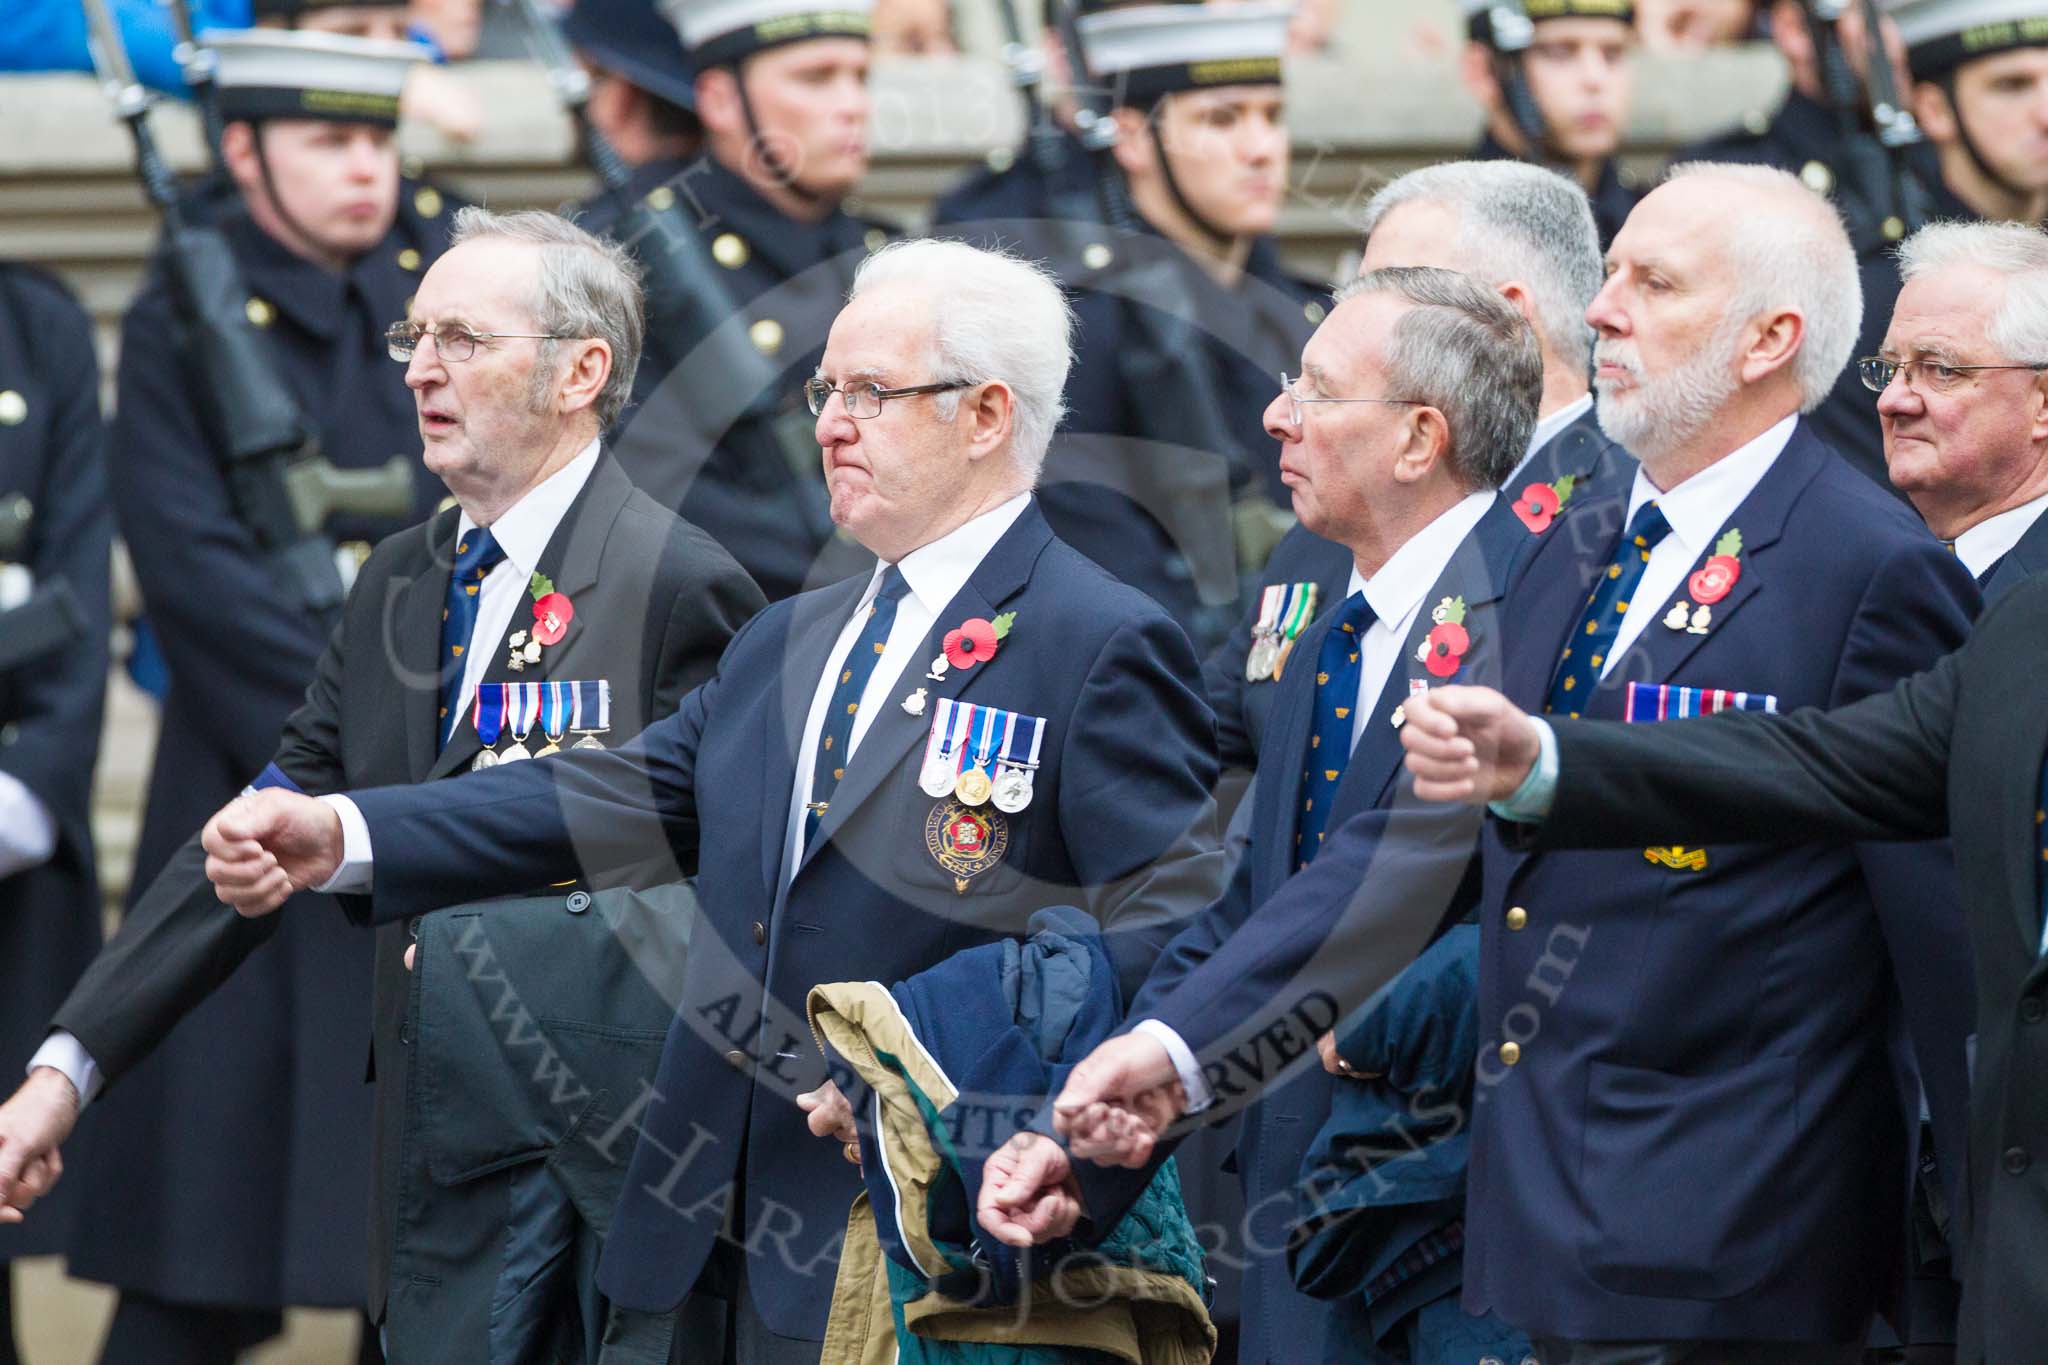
point(263, 847)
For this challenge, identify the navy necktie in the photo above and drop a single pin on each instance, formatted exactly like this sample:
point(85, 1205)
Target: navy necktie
point(1329, 744)
point(476, 554)
point(1578, 671)
point(834, 739)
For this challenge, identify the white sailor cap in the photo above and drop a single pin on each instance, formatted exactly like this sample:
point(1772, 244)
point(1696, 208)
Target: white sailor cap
point(1482, 17)
point(291, 73)
point(1153, 50)
point(720, 32)
point(1941, 35)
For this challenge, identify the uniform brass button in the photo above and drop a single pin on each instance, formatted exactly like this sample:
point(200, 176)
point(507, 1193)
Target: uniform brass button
point(1894, 228)
point(874, 239)
point(2017, 1160)
point(408, 259)
point(766, 336)
point(1817, 176)
point(737, 1058)
point(259, 312)
point(661, 199)
point(1095, 255)
point(760, 932)
point(1756, 122)
point(427, 200)
point(1510, 1053)
point(579, 901)
point(13, 408)
point(1314, 312)
point(729, 250)
point(1518, 918)
point(1000, 160)
point(2031, 1009)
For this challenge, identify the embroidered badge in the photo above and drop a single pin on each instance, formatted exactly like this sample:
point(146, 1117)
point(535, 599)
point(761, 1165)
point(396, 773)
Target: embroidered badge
point(966, 840)
point(1677, 857)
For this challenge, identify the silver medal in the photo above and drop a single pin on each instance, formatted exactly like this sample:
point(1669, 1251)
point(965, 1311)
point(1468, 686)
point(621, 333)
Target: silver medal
point(1258, 663)
point(1013, 790)
point(514, 752)
point(484, 759)
point(936, 777)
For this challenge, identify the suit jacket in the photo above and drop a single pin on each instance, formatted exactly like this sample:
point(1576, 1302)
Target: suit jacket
point(2027, 557)
point(1954, 750)
point(1281, 1323)
point(655, 603)
point(1119, 823)
point(1701, 1130)
point(52, 453)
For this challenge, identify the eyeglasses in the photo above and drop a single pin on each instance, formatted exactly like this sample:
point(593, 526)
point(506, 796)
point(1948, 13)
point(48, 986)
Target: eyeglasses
point(452, 343)
point(864, 400)
point(1923, 376)
point(1296, 401)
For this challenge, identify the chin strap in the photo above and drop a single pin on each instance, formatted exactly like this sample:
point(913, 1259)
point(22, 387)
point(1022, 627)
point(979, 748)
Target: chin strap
point(1218, 238)
point(277, 205)
point(1970, 148)
point(784, 175)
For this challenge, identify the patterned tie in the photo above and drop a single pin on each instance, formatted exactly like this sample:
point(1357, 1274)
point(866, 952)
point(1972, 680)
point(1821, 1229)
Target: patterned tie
point(475, 556)
point(830, 765)
point(1329, 744)
point(1578, 671)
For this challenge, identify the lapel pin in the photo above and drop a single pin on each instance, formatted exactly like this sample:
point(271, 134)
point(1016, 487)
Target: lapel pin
point(914, 703)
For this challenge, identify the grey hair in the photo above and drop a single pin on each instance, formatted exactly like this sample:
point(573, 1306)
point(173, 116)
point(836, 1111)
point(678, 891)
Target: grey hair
point(1465, 351)
point(995, 316)
point(588, 286)
point(1516, 222)
point(2017, 252)
point(1792, 253)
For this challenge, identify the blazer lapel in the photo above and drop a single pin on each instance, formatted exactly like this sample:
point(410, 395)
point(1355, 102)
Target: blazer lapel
point(816, 619)
point(2019, 793)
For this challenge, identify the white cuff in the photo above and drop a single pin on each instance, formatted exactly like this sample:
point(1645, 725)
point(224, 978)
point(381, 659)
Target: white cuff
point(354, 874)
point(1191, 1080)
point(62, 1052)
point(1530, 803)
point(28, 832)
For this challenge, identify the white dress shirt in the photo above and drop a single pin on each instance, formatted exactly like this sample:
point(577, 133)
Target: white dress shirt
point(1395, 595)
point(1990, 539)
point(28, 832)
point(1546, 431)
point(523, 533)
point(935, 573)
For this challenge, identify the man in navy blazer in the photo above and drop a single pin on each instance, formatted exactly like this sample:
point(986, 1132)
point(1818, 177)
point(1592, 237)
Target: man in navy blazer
point(1693, 1130)
point(1962, 396)
point(881, 773)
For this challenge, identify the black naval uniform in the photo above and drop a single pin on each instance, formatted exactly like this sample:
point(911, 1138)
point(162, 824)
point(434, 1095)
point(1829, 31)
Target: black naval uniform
point(789, 280)
point(52, 453)
point(1612, 200)
point(1011, 185)
point(231, 1167)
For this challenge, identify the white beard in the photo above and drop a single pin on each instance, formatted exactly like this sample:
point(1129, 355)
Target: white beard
point(1656, 415)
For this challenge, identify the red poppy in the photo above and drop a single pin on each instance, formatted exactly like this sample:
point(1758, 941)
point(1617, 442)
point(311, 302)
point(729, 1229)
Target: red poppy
point(552, 614)
point(1446, 648)
point(1537, 505)
point(973, 643)
point(1714, 578)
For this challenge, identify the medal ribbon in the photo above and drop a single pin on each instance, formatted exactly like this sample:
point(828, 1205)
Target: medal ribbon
point(956, 742)
point(554, 710)
point(935, 746)
point(1299, 611)
point(1003, 760)
point(593, 707)
point(986, 742)
point(523, 708)
point(489, 712)
point(1269, 609)
point(1037, 738)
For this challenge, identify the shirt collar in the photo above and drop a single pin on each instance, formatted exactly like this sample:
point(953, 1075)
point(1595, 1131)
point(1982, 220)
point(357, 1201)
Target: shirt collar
point(1396, 590)
point(527, 526)
point(1701, 505)
point(936, 572)
point(1547, 429)
point(1991, 539)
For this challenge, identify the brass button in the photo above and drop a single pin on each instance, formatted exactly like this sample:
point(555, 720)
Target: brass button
point(259, 312)
point(1314, 312)
point(427, 200)
point(1518, 918)
point(1000, 160)
point(1756, 122)
point(760, 932)
point(408, 259)
point(1894, 228)
point(661, 199)
point(738, 1059)
point(1510, 1053)
point(874, 239)
point(729, 250)
point(1817, 176)
point(766, 336)
point(13, 408)
point(1095, 255)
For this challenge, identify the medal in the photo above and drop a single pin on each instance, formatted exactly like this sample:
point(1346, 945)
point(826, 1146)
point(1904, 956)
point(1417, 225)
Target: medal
point(590, 712)
point(974, 786)
point(1013, 778)
point(935, 778)
point(1296, 614)
point(554, 716)
point(522, 709)
point(483, 760)
point(965, 841)
point(487, 713)
point(1258, 661)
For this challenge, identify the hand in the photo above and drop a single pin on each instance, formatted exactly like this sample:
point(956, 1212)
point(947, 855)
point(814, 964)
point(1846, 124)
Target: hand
point(830, 1115)
point(1468, 744)
point(1028, 1193)
point(38, 1117)
point(1119, 1101)
point(262, 847)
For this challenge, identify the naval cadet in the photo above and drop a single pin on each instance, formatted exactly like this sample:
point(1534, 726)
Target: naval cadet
point(55, 537)
point(881, 773)
point(1173, 487)
point(211, 1218)
point(1557, 80)
point(565, 609)
point(780, 91)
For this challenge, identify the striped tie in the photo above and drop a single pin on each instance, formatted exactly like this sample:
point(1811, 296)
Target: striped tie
point(1578, 671)
point(1329, 744)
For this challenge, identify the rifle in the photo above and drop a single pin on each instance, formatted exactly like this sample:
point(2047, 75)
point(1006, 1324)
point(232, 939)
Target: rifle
point(1163, 359)
point(282, 488)
point(1885, 193)
point(1027, 74)
point(50, 618)
point(1510, 32)
point(198, 63)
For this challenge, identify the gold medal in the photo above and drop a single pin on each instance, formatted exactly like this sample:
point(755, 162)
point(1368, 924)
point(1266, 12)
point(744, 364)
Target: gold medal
point(974, 787)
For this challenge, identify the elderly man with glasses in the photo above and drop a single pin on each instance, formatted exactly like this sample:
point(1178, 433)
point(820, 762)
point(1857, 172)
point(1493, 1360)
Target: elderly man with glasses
point(552, 606)
point(1961, 395)
point(880, 774)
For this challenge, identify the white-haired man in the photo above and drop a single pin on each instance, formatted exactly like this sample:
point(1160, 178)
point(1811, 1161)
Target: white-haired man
point(1690, 1145)
point(1961, 393)
point(881, 773)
